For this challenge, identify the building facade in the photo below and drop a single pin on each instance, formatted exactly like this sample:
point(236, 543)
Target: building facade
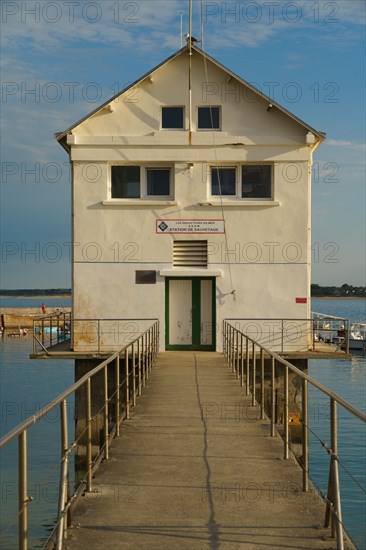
point(191, 204)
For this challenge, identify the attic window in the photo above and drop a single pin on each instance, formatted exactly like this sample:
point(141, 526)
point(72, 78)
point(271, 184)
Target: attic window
point(190, 253)
point(172, 118)
point(208, 118)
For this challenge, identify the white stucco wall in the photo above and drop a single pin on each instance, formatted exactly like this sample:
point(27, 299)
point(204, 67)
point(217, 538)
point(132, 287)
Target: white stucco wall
point(268, 241)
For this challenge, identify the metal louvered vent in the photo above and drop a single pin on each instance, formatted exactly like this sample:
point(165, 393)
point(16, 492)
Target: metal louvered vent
point(190, 253)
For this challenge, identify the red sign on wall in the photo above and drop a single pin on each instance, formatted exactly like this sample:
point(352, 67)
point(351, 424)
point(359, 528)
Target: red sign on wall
point(301, 300)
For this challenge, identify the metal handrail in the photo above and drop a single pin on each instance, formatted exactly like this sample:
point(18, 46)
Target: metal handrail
point(140, 354)
point(313, 328)
point(236, 348)
point(62, 319)
point(47, 339)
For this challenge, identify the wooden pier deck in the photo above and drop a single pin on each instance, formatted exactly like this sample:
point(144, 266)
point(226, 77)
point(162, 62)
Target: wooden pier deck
point(195, 469)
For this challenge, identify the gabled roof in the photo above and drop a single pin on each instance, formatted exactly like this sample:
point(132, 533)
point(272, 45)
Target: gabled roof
point(61, 135)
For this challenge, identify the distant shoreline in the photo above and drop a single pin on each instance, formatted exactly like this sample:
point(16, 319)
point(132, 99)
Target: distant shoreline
point(43, 296)
point(52, 296)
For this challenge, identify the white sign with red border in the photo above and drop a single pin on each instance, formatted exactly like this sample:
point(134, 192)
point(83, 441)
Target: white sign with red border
point(190, 226)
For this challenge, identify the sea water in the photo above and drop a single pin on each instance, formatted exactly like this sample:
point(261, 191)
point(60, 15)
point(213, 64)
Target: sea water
point(347, 378)
point(27, 385)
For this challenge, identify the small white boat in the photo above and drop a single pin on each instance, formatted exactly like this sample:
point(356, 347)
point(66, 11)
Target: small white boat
point(357, 335)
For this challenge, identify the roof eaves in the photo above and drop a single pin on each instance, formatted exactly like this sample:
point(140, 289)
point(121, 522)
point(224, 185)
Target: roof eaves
point(60, 135)
point(320, 135)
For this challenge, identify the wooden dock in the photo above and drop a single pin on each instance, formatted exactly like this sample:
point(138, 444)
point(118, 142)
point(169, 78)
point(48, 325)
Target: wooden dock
point(195, 468)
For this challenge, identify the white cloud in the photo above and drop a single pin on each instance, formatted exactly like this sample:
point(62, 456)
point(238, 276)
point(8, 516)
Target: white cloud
point(346, 143)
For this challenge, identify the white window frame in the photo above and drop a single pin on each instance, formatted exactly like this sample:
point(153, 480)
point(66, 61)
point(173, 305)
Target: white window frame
point(172, 129)
point(238, 180)
point(143, 182)
point(219, 107)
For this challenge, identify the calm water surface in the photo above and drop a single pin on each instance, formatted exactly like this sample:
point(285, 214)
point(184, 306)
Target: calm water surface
point(27, 385)
point(347, 378)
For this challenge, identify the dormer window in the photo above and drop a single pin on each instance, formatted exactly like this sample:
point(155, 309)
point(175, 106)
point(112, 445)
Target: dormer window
point(172, 118)
point(209, 118)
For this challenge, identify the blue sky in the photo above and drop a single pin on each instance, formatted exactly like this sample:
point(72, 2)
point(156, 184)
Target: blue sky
point(61, 60)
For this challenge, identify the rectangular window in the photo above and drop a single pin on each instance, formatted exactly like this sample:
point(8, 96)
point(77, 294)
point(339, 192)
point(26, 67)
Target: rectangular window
point(243, 181)
point(141, 182)
point(158, 182)
point(209, 118)
point(126, 182)
point(256, 181)
point(172, 118)
point(223, 181)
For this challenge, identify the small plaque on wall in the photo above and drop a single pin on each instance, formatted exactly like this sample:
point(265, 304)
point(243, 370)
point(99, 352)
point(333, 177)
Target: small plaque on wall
point(145, 277)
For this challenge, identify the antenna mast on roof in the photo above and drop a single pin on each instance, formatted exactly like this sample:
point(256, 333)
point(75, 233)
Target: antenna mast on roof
point(181, 30)
point(190, 70)
point(190, 27)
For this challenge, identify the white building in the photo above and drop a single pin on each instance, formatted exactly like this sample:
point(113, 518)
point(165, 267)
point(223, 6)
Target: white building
point(191, 204)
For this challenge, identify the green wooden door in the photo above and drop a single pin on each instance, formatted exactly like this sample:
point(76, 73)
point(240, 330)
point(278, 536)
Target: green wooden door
point(190, 313)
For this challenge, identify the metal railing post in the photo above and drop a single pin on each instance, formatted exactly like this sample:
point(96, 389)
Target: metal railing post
point(146, 362)
point(106, 413)
point(118, 397)
point(346, 324)
point(98, 328)
point(139, 364)
point(333, 510)
point(143, 360)
point(88, 437)
point(50, 330)
point(285, 414)
point(153, 330)
point(127, 385)
point(149, 348)
point(305, 436)
point(22, 491)
point(64, 486)
point(227, 342)
point(224, 340)
point(262, 384)
point(241, 360)
point(42, 336)
point(247, 375)
point(34, 340)
point(231, 346)
point(133, 375)
point(282, 334)
point(237, 353)
point(273, 397)
point(254, 374)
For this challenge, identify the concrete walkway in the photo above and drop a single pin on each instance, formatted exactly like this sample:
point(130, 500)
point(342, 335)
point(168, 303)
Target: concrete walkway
point(195, 469)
